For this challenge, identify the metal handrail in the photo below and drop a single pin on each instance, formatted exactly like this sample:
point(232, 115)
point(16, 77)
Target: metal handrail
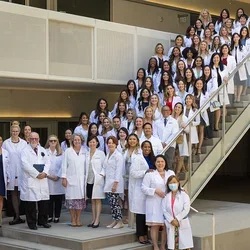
point(213, 224)
point(204, 106)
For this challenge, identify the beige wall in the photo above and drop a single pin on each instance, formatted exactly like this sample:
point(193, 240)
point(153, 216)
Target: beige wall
point(147, 16)
point(20, 103)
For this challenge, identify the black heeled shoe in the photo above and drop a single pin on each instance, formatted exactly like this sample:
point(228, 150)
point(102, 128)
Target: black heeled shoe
point(91, 225)
point(96, 226)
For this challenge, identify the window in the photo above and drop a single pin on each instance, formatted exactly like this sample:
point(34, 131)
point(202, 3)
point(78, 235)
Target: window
point(42, 4)
point(62, 126)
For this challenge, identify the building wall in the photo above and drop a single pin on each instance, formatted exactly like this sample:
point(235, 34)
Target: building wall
point(147, 16)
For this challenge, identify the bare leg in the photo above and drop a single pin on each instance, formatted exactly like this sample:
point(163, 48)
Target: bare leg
point(93, 204)
point(98, 210)
point(217, 118)
point(201, 137)
point(244, 92)
point(235, 93)
point(154, 231)
point(180, 162)
point(163, 238)
point(73, 217)
point(240, 88)
point(78, 217)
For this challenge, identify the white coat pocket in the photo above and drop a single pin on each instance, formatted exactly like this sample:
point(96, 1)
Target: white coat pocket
point(32, 184)
point(72, 180)
point(184, 224)
point(99, 180)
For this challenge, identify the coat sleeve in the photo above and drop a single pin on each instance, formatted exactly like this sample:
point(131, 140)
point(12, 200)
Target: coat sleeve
point(64, 164)
point(7, 168)
point(169, 217)
point(27, 167)
point(119, 167)
point(197, 120)
point(145, 188)
point(135, 168)
point(186, 207)
point(175, 130)
point(47, 163)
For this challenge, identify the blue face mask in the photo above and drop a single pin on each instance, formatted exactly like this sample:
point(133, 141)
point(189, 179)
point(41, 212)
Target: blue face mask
point(173, 186)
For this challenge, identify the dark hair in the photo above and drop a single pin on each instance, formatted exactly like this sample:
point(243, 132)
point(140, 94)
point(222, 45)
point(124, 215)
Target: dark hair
point(102, 112)
point(98, 109)
point(151, 155)
point(147, 123)
point(202, 62)
point(90, 138)
point(114, 139)
point(171, 58)
point(220, 18)
point(196, 90)
point(140, 100)
point(245, 16)
point(156, 70)
point(189, 29)
point(182, 106)
point(192, 79)
point(120, 98)
point(203, 78)
point(163, 157)
point(134, 91)
point(162, 83)
point(89, 130)
point(144, 72)
point(117, 112)
point(170, 178)
point(67, 141)
point(232, 42)
point(170, 66)
point(213, 45)
point(222, 47)
point(247, 36)
point(178, 73)
point(144, 84)
point(221, 66)
point(202, 26)
point(124, 130)
point(193, 45)
point(179, 36)
point(237, 17)
point(81, 115)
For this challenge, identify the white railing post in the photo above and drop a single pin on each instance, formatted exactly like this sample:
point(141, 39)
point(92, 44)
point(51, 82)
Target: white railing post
point(190, 161)
point(223, 122)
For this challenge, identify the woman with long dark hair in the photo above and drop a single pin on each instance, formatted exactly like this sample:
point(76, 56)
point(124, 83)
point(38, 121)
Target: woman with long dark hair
point(67, 143)
point(224, 15)
point(154, 71)
point(83, 126)
point(140, 78)
point(93, 131)
point(101, 106)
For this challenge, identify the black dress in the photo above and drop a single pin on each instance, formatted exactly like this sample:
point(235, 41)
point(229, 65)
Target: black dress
point(2, 183)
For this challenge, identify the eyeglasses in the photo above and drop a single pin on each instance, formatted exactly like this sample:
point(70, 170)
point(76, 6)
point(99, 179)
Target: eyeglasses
point(52, 140)
point(166, 110)
point(34, 139)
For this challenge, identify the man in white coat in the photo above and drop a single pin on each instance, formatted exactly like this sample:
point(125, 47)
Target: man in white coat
point(148, 136)
point(34, 183)
point(167, 127)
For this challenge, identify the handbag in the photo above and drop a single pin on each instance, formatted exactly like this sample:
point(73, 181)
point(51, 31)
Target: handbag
point(180, 139)
point(216, 104)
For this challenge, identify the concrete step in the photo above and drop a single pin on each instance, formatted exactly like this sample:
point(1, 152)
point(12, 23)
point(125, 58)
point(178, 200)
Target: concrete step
point(210, 142)
point(207, 149)
point(234, 111)
point(129, 246)
point(245, 97)
point(13, 244)
point(228, 125)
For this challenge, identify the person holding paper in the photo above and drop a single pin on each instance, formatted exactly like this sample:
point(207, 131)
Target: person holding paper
point(34, 184)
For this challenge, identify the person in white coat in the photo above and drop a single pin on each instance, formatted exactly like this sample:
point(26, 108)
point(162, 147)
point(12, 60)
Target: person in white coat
point(93, 130)
point(83, 127)
point(176, 206)
point(137, 199)
point(154, 71)
point(56, 189)
point(14, 145)
point(170, 97)
point(166, 128)
point(101, 106)
point(154, 187)
point(182, 145)
point(74, 175)
point(95, 182)
point(4, 176)
point(239, 52)
point(122, 137)
point(113, 169)
point(34, 186)
point(67, 143)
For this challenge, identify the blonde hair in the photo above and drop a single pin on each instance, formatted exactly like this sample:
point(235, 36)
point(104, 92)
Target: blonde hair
point(58, 147)
point(105, 130)
point(15, 123)
point(209, 18)
point(159, 44)
point(15, 126)
point(148, 107)
point(199, 50)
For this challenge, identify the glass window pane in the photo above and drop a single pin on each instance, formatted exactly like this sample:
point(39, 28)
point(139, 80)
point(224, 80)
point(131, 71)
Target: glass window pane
point(42, 4)
point(89, 8)
point(19, 1)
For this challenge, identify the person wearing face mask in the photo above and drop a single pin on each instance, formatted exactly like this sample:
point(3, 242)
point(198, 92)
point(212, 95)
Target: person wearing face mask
point(35, 165)
point(176, 206)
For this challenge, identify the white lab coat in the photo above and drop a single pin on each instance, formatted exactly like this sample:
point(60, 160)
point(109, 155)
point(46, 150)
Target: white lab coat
point(75, 171)
point(97, 161)
point(113, 169)
point(186, 63)
point(171, 49)
point(212, 86)
point(165, 134)
point(196, 74)
point(182, 96)
point(14, 150)
point(32, 188)
point(164, 58)
point(137, 199)
point(183, 148)
point(224, 41)
point(156, 144)
point(120, 148)
point(80, 130)
point(223, 74)
point(240, 56)
point(95, 120)
point(181, 209)
point(55, 187)
point(130, 127)
point(248, 51)
point(193, 130)
point(204, 114)
point(64, 146)
point(188, 41)
point(156, 79)
point(175, 100)
point(151, 182)
point(6, 168)
point(231, 65)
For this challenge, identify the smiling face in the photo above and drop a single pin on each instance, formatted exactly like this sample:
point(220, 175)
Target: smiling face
point(198, 62)
point(188, 74)
point(166, 66)
point(170, 90)
point(101, 117)
point(139, 122)
point(176, 52)
point(224, 14)
point(106, 123)
point(122, 107)
point(178, 109)
point(188, 100)
point(196, 40)
point(165, 76)
point(216, 59)
point(148, 83)
point(102, 105)
point(15, 130)
point(179, 41)
point(154, 100)
point(130, 115)
point(111, 145)
point(124, 95)
point(153, 62)
point(149, 112)
point(146, 149)
point(131, 86)
point(159, 49)
point(93, 129)
point(92, 143)
point(132, 141)
point(199, 85)
point(140, 74)
point(207, 71)
point(181, 85)
point(84, 120)
point(145, 94)
point(122, 135)
point(77, 142)
point(225, 50)
point(160, 164)
point(181, 65)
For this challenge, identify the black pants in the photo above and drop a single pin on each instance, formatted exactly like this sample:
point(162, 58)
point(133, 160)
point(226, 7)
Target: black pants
point(30, 211)
point(208, 131)
point(141, 227)
point(55, 205)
